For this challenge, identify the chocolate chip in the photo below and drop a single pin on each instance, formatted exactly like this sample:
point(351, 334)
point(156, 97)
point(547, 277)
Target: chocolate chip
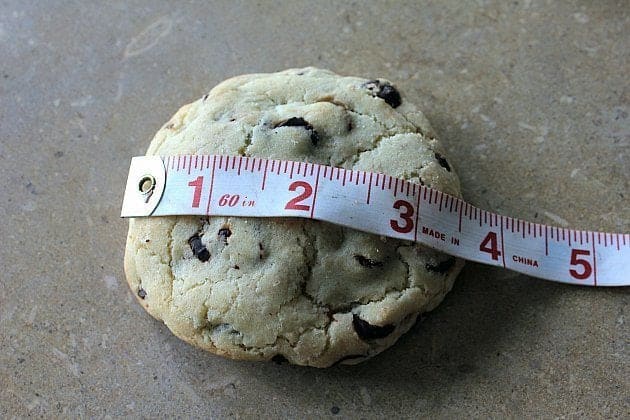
point(205, 96)
point(261, 250)
point(236, 267)
point(443, 163)
point(350, 126)
point(300, 122)
point(385, 91)
point(294, 122)
point(441, 267)
point(279, 359)
point(367, 331)
point(147, 240)
point(367, 262)
point(390, 95)
point(198, 248)
point(225, 233)
point(142, 293)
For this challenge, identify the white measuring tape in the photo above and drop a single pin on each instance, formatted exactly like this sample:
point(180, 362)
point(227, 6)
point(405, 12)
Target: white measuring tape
point(241, 186)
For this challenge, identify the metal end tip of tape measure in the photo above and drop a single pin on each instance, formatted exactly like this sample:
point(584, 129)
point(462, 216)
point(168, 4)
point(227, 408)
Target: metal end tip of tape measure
point(145, 186)
point(214, 185)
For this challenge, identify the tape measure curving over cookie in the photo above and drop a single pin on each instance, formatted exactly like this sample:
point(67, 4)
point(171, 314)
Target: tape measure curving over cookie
point(310, 217)
point(215, 185)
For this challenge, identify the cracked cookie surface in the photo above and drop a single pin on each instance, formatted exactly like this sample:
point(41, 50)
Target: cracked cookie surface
point(300, 290)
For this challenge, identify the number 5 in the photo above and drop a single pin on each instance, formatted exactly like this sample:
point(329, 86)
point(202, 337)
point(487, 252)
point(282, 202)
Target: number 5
point(580, 261)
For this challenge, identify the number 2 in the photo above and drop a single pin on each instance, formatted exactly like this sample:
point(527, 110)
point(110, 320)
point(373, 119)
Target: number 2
point(293, 203)
point(580, 261)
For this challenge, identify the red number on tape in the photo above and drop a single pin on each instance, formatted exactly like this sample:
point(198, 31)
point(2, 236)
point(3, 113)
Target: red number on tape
point(575, 253)
point(293, 203)
point(489, 245)
point(198, 184)
point(229, 200)
point(406, 215)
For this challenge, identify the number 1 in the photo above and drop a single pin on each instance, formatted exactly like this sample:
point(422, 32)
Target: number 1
point(198, 184)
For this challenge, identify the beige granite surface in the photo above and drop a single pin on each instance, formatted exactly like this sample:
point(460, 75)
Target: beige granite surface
point(530, 98)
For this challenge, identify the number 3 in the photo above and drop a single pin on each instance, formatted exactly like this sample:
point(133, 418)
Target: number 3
point(406, 216)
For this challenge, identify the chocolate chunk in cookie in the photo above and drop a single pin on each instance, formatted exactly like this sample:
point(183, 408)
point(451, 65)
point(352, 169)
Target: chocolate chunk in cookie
point(300, 122)
point(198, 248)
point(261, 251)
point(367, 331)
point(367, 262)
point(385, 91)
point(224, 233)
point(443, 162)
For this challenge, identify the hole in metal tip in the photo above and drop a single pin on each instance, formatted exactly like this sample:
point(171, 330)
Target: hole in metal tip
point(146, 184)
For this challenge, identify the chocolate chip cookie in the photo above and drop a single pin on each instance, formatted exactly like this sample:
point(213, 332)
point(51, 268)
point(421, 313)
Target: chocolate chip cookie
point(305, 291)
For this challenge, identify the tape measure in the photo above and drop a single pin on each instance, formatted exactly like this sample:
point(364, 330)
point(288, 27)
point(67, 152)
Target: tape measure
point(214, 185)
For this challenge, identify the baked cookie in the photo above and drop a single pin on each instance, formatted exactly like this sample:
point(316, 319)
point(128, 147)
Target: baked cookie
point(305, 291)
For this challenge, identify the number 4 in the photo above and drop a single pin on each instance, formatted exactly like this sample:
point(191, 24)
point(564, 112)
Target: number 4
point(489, 245)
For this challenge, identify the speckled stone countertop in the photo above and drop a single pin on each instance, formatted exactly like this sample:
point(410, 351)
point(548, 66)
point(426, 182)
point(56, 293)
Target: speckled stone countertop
point(530, 99)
